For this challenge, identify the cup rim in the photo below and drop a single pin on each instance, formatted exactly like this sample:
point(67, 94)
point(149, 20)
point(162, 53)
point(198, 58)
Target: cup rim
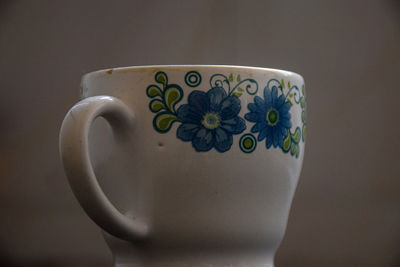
point(141, 68)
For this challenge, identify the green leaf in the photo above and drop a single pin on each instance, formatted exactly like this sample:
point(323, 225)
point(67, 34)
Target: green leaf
point(172, 95)
point(153, 91)
point(156, 105)
point(163, 121)
point(303, 136)
point(296, 135)
point(302, 102)
point(237, 94)
point(240, 89)
point(162, 78)
point(288, 84)
point(238, 78)
point(290, 95)
point(303, 116)
point(287, 142)
point(293, 149)
point(231, 77)
point(282, 84)
point(290, 102)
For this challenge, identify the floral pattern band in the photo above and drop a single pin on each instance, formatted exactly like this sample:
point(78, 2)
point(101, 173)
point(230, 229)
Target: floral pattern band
point(210, 120)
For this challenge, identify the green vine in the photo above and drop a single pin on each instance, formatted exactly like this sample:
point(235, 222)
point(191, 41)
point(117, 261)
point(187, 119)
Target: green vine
point(291, 142)
point(303, 106)
point(220, 80)
point(164, 102)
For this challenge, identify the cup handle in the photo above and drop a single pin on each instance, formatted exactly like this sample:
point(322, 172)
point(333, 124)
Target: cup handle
point(74, 150)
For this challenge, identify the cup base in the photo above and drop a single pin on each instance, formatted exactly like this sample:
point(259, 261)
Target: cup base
point(126, 254)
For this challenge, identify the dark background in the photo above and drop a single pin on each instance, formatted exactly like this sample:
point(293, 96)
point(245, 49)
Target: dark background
point(346, 210)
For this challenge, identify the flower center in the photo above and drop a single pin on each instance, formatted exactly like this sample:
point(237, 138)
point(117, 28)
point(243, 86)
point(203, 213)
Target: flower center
point(272, 117)
point(210, 120)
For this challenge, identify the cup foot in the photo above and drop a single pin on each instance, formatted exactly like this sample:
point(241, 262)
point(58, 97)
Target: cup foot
point(127, 254)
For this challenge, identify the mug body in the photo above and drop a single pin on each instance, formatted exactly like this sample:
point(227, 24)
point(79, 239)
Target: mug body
point(211, 163)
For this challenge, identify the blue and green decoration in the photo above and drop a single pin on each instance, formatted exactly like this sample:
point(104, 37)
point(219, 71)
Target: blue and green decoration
point(209, 120)
point(164, 102)
point(193, 78)
point(248, 143)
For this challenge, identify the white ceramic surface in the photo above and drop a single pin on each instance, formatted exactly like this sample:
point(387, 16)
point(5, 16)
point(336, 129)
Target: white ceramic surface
point(212, 155)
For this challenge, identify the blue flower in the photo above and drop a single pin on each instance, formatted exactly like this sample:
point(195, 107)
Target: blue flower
point(271, 116)
point(210, 119)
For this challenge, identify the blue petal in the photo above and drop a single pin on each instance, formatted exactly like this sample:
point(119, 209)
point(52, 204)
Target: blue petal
point(275, 136)
point(259, 102)
point(274, 95)
point(199, 101)
point(258, 127)
point(229, 107)
point(215, 96)
point(280, 101)
point(268, 143)
point(267, 97)
point(284, 108)
point(263, 133)
point(251, 116)
point(283, 130)
point(188, 114)
point(281, 137)
point(234, 126)
point(285, 116)
point(252, 107)
point(269, 133)
point(284, 122)
point(203, 140)
point(187, 131)
point(223, 140)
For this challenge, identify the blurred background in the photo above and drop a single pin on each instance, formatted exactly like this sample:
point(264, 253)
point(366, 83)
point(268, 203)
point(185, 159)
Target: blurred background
point(346, 211)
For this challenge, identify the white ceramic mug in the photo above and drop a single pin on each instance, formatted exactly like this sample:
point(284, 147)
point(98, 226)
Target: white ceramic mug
point(212, 155)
